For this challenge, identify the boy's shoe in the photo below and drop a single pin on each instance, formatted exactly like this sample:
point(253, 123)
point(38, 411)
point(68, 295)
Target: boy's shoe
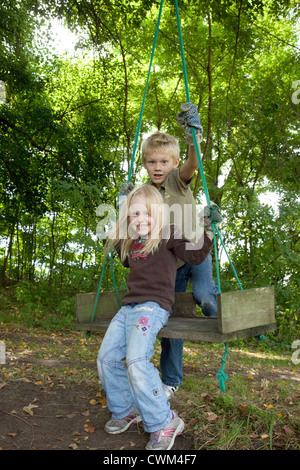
point(116, 426)
point(170, 390)
point(165, 437)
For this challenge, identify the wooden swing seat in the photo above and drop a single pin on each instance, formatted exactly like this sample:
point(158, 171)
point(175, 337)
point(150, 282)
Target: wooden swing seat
point(241, 314)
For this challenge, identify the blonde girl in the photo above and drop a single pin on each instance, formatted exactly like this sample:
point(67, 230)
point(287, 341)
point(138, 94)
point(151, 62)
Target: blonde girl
point(144, 201)
point(150, 250)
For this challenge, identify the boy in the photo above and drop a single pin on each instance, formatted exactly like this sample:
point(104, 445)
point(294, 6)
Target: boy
point(160, 156)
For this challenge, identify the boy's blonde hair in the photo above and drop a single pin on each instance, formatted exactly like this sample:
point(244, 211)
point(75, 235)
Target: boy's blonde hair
point(155, 208)
point(160, 142)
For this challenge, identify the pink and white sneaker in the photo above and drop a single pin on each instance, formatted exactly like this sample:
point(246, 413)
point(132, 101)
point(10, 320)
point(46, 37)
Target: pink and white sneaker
point(164, 438)
point(116, 426)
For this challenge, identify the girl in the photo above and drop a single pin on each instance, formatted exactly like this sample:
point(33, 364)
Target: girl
point(150, 250)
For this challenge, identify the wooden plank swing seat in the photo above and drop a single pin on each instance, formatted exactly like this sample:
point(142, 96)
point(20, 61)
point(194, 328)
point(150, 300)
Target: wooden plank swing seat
point(241, 314)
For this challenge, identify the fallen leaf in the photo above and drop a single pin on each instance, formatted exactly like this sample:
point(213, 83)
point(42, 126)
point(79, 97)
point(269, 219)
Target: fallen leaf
point(211, 416)
point(265, 436)
point(88, 428)
point(205, 396)
point(242, 408)
point(93, 402)
point(28, 409)
point(73, 446)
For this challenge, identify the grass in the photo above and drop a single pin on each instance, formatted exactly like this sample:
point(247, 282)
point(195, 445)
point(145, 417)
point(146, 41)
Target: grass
point(258, 410)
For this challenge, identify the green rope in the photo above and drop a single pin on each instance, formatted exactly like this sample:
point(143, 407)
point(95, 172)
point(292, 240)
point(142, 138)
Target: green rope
point(197, 147)
point(99, 287)
point(221, 376)
point(188, 99)
point(231, 264)
point(132, 159)
point(216, 257)
point(98, 291)
point(145, 93)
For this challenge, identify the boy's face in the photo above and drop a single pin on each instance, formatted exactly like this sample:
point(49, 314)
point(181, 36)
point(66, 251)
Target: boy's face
point(158, 166)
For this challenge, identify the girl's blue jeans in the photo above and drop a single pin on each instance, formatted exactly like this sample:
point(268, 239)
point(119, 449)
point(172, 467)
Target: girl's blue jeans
point(205, 295)
point(129, 378)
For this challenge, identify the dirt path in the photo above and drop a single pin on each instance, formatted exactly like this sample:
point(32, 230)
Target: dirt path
point(40, 409)
point(51, 398)
point(62, 418)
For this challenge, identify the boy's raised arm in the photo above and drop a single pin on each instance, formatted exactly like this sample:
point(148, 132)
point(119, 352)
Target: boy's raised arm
point(187, 170)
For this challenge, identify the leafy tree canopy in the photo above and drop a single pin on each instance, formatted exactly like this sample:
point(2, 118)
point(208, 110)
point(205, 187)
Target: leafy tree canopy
point(68, 124)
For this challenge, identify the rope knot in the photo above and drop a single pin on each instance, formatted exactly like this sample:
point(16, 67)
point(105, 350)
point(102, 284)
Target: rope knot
point(222, 378)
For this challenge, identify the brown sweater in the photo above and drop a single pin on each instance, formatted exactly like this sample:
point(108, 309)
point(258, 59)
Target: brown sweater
point(152, 277)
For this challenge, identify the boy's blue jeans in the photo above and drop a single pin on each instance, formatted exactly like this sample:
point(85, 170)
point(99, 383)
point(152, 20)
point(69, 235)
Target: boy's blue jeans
point(205, 295)
point(136, 384)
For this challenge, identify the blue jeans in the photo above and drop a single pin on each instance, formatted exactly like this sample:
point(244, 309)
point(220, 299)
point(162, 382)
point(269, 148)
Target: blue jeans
point(205, 295)
point(131, 336)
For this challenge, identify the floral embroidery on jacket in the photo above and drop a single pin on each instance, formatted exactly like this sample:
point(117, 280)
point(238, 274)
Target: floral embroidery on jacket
point(136, 249)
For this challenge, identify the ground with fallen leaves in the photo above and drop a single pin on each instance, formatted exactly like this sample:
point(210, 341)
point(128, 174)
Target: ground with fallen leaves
point(51, 398)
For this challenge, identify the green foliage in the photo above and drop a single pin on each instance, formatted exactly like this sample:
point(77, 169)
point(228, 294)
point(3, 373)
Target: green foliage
point(37, 305)
point(68, 125)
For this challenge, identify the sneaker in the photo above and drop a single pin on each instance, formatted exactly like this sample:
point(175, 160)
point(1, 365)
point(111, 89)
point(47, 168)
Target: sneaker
point(116, 426)
point(165, 437)
point(170, 390)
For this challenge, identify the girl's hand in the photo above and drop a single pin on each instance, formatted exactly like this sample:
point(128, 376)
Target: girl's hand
point(209, 234)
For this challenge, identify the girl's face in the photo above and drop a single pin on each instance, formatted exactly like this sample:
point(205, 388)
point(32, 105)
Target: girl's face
point(140, 221)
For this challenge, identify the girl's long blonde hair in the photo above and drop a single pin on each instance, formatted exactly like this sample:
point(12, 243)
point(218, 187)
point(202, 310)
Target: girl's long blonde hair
point(155, 208)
